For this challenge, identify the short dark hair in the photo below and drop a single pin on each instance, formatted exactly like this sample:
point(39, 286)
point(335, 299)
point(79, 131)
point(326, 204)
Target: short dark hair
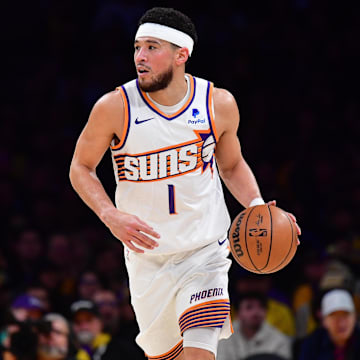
point(252, 295)
point(172, 18)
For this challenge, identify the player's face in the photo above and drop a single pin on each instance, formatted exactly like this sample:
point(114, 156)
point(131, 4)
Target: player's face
point(154, 63)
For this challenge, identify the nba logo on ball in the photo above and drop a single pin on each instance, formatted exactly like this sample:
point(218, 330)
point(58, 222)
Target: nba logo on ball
point(263, 239)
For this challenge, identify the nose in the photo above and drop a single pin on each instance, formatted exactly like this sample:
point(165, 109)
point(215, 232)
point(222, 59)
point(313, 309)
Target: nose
point(140, 55)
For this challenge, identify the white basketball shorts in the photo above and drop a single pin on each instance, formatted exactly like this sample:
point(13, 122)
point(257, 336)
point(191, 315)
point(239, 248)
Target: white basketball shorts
point(173, 293)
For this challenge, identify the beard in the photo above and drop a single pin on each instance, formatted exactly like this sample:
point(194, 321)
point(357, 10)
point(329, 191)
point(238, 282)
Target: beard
point(52, 352)
point(85, 337)
point(160, 82)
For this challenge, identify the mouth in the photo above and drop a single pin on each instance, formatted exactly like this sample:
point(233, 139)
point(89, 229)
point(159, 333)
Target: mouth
point(142, 70)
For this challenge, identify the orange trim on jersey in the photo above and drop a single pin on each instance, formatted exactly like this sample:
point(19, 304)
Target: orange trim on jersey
point(211, 112)
point(198, 142)
point(155, 108)
point(194, 141)
point(171, 354)
point(126, 120)
point(123, 178)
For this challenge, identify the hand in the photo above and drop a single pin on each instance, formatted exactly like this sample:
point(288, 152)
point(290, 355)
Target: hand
point(291, 216)
point(130, 230)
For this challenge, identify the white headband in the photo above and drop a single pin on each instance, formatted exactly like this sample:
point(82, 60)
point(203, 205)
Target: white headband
point(166, 33)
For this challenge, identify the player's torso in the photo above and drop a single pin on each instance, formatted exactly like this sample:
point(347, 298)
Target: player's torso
point(165, 168)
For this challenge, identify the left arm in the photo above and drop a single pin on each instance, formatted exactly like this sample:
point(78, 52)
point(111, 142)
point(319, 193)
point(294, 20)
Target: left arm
point(234, 170)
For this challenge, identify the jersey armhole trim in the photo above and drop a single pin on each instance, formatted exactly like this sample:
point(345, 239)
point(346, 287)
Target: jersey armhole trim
point(209, 109)
point(126, 119)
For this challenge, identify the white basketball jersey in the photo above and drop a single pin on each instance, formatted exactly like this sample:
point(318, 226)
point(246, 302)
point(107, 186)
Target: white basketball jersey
point(165, 169)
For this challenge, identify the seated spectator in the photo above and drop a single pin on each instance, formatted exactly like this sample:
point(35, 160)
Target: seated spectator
point(55, 343)
point(94, 343)
point(109, 310)
point(26, 258)
point(40, 292)
point(88, 284)
point(338, 338)
point(26, 307)
point(252, 334)
point(307, 292)
point(279, 313)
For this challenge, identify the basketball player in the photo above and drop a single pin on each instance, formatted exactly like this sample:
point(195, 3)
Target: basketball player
point(164, 130)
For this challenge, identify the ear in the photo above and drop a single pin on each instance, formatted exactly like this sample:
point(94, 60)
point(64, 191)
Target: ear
point(182, 56)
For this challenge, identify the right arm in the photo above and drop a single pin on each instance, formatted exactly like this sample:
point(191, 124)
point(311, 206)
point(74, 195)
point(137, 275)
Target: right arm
point(105, 121)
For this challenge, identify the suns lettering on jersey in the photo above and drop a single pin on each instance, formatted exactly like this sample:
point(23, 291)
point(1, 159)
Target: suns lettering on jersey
point(168, 162)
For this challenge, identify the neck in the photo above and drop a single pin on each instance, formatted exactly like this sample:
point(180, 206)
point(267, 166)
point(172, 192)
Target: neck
point(173, 94)
point(339, 343)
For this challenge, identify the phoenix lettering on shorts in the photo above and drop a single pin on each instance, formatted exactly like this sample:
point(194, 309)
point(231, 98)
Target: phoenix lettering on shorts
point(206, 294)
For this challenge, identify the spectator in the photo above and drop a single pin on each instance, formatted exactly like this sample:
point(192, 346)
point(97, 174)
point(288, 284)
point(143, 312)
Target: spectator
point(115, 313)
point(279, 313)
point(252, 334)
point(94, 343)
point(339, 337)
point(307, 292)
point(26, 307)
point(19, 341)
point(88, 284)
point(27, 257)
point(109, 310)
point(56, 344)
point(40, 292)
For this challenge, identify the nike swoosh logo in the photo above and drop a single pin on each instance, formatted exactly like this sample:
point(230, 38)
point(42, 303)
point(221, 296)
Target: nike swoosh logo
point(221, 242)
point(137, 121)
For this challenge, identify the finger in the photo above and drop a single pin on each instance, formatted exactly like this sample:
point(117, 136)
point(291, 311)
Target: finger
point(145, 239)
point(144, 242)
point(292, 217)
point(132, 247)
point(144, 227)
point(272, 203)
point(148, 230)
point(141, 239)
point(298, 242)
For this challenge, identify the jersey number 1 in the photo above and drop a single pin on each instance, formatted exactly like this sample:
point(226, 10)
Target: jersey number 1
point(172, 208)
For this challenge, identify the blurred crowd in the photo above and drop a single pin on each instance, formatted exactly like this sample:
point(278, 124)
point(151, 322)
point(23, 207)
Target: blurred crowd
point(292, 65)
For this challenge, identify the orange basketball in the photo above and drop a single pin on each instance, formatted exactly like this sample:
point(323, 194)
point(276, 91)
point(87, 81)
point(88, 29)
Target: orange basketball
point(263, 239)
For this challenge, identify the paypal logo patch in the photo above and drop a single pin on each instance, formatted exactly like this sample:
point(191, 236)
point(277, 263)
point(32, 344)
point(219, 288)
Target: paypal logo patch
point(197, 118)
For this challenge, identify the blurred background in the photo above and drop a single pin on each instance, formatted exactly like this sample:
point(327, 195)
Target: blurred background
point(293, 67)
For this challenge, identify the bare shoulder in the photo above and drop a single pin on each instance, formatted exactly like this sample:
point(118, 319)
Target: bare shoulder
point(107, 115)
point(223, 98)
point(111, 101)
point(226, 110)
